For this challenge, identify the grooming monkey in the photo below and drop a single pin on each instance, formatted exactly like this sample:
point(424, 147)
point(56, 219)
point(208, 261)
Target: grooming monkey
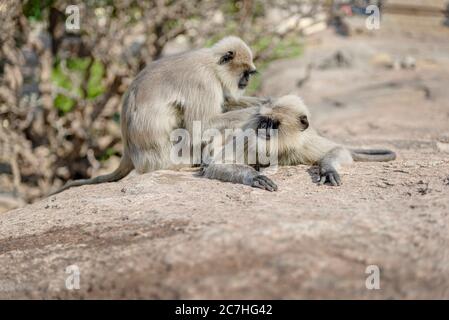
point(297, 143)
point(173, 92)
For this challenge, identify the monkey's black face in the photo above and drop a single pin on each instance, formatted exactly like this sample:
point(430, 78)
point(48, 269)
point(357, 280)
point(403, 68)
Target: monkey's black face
point(303, 122)
point(266, 124)
point(244, 78)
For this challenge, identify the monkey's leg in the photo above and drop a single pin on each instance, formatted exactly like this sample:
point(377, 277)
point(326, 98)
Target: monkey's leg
point(330, 163)
point(238, 173)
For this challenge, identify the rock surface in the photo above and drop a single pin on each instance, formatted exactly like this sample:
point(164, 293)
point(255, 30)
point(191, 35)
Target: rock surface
point(173, 235)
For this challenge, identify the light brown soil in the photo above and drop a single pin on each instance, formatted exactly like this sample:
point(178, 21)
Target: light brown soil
point(173, 235)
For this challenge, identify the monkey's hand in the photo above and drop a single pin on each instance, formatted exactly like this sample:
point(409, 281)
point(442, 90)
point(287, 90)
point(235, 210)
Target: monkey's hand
point(265, 101)
point(244, 102)
point(331, 176)
point(263, 182)
point(256, 101)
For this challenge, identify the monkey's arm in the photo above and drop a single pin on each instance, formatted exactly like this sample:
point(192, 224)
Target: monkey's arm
point(238, 173)
point(338, 156)
point(328, 155)
point(220, 165)
point(243, 102)
point(330, 164)
point(232, 119)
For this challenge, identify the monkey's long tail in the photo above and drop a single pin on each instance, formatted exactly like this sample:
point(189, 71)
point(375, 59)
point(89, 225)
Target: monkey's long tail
point(376, 155)
point(125, 167)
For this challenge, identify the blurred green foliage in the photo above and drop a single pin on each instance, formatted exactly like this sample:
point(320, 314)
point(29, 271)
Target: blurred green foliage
point(34, 9)
point(107, 154)
point(286, 48)
point(80, 69)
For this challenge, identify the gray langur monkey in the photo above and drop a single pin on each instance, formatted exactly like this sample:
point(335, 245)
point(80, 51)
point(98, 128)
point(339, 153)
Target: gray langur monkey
point(172, 93)
point(297, 143)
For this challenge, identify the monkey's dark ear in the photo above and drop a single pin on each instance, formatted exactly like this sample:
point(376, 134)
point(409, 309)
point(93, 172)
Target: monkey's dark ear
point(228, 56)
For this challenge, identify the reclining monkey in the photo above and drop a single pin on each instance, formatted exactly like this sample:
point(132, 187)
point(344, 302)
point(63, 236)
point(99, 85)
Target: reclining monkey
point(298, 143)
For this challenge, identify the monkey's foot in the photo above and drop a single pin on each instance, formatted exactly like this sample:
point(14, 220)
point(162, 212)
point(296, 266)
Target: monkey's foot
point(263, 182)
point(330, 176)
